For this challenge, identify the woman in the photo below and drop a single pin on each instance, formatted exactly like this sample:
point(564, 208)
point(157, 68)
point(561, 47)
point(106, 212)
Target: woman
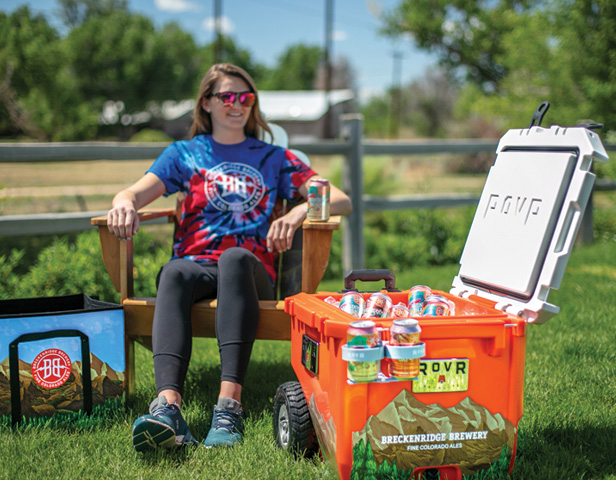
point(224, 246)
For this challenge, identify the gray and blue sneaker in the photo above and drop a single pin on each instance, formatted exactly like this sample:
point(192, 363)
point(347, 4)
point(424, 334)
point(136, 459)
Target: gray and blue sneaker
point(163, 427)
point(227, 424)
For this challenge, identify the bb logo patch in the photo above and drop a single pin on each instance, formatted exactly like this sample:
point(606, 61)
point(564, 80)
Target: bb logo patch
point(234, 187)
point(51, 368)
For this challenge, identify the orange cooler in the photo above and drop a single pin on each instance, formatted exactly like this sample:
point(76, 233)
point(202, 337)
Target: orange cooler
point(460, 415)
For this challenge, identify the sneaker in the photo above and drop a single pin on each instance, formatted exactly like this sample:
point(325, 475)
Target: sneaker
point(163, 427)
point(227, 424)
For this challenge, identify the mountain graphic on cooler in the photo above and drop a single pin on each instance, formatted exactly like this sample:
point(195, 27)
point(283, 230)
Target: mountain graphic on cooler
point(37, 401)
point(410, 434)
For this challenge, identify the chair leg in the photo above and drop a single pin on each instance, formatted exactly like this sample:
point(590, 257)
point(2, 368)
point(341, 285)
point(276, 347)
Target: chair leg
point(129, 374)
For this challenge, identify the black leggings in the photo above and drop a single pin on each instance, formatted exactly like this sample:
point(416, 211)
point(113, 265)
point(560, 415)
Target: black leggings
point(239, 281)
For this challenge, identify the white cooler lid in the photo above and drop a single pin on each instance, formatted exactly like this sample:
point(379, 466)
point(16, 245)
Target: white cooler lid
point(528, 217)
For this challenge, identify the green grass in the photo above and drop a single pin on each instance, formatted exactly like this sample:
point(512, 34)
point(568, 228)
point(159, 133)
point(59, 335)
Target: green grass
point(567, 430)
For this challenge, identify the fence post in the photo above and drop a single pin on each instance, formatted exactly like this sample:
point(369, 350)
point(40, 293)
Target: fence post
point(353, 249)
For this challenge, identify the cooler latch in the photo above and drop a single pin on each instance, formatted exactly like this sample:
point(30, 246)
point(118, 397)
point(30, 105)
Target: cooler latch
point(505, 307)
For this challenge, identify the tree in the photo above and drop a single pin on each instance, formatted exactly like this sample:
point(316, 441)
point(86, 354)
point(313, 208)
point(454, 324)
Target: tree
point(587, 31)
point(343, 75)
point(75, 12)
point(296, 69)
point(517, 53)
point(429, 103)
point(179, 65)
point(37, 92)
point(232, 53)
point(115, 57)
point(463, 34)
point(425, 105)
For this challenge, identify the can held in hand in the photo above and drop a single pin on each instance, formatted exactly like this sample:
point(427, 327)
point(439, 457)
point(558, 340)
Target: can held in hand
point(353, 303)
point(363, 334)
point(318, 200)
point(417, 299)
point(404, 331)
point(437, 306)
point(378, 305)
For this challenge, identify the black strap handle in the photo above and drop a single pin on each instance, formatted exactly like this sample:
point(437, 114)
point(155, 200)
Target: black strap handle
point(539, 114)
point(14, 367)
point(370, 276)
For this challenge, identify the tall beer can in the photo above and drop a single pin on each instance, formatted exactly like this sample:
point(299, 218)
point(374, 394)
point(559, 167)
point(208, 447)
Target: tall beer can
point(353, 303)
point(318, 200)
point(378, 305)
point(437, 306)
point(362, 334)
point(417, 298)
point(404, 331)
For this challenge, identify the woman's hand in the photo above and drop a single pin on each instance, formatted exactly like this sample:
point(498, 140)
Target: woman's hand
point(122, 219)
point(282, 230)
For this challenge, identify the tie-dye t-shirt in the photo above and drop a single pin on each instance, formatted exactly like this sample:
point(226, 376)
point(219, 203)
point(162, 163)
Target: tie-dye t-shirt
point(230, 194)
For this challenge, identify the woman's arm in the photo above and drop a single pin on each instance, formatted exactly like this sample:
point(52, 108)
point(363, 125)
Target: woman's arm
point(280, 234)
point(122, 219)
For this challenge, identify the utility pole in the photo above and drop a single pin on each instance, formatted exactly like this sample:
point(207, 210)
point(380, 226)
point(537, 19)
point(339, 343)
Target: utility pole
point(218, 31)
point(329, 22)
point(396, 94)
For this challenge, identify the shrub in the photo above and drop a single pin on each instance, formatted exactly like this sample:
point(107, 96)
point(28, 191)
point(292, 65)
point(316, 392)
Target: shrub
point(149, 135)
point(74, 265)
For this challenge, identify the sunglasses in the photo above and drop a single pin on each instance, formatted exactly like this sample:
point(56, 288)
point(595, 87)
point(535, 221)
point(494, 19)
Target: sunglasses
point(247, 99)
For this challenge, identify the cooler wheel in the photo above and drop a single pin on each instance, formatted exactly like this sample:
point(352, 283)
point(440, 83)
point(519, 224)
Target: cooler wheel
point(292, 425)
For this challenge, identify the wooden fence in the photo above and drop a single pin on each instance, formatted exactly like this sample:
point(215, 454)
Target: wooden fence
point(351, 146)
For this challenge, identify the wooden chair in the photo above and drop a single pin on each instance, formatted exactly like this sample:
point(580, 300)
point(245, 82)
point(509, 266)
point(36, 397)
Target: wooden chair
point(274, 323)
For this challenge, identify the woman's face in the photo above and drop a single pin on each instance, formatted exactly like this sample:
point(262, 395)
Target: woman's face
point(228, 121)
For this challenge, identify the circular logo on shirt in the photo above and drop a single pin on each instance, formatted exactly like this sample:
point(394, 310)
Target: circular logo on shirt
point(234, 187)
point(51, 368)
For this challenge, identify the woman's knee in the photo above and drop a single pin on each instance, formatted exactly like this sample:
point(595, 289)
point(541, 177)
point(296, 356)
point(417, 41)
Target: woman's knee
point(237, 258)
point(178, 271)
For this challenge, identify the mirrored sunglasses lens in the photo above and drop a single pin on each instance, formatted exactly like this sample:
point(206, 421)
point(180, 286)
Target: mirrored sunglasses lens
point(228, 98)
point(247, 99)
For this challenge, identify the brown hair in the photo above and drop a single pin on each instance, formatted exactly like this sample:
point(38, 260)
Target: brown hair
point(202, 123)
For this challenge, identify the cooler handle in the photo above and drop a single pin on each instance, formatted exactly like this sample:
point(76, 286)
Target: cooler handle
point(539, 114)
point(370, 276)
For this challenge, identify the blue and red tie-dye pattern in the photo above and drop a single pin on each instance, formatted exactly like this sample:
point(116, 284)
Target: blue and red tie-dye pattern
point(230, 194)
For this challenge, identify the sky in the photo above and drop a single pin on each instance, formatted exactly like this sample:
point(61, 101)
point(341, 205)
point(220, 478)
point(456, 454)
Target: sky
point(267, 27)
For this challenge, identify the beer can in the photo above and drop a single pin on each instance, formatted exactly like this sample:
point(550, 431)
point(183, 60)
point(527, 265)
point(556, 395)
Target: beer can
point(378, 305)
point(404, 331)
point(353, 303)
point(318, 200)
point(417, 298)
point(399, 310)
point(437, 306)
point(332, 301)
point(363, 334)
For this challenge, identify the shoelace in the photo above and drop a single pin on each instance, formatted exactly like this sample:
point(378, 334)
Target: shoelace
point(225, 419)
point(164, 410)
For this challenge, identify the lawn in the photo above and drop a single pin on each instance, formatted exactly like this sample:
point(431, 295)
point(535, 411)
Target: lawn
point(567, 430)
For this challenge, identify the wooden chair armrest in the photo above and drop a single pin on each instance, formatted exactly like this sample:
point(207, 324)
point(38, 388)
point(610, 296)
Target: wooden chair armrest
point(144, 216)
point(332, 224)
point(317, 238)
point(118, 254)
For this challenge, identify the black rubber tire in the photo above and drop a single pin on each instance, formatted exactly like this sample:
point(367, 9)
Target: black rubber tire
point(293, 428)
